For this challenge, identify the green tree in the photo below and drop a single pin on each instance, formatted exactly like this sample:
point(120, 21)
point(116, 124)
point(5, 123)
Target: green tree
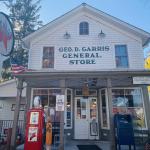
point(24, 15)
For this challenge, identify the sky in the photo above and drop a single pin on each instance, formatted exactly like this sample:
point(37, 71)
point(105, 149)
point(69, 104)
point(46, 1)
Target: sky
point(135, 12)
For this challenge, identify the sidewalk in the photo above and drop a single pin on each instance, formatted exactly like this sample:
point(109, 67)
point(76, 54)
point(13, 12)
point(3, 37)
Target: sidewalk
point(72, 145)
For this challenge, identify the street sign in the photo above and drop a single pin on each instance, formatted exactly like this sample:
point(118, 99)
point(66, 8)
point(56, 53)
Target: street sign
point(141, 80)
point(60, 102)
point(6, 35)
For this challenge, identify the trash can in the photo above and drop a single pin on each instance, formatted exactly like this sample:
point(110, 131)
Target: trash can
point(124, 134)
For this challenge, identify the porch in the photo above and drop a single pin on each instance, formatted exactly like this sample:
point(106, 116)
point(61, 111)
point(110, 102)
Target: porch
point(72, 145)
point(76, 80)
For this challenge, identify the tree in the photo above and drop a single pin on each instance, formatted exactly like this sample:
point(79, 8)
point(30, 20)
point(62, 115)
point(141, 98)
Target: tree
point(24, 15)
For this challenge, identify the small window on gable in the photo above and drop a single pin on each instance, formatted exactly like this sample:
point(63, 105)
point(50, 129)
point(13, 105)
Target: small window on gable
point(48, 57)
point(84, 28)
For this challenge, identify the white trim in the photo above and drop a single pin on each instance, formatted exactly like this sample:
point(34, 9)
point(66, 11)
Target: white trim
point(65, 112)
point(88, 115)
point(107, 109)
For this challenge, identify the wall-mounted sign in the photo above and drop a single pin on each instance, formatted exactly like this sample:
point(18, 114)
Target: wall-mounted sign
point(83, 55)
point(6, 35)
point(60, 102)
point(141, 80)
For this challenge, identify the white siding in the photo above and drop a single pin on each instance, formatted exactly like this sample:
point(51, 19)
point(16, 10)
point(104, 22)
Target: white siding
point(54, 37)
point(6, 113)
point(9, 89)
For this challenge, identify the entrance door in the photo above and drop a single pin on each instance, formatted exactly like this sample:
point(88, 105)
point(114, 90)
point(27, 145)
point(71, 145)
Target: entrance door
point(86, 118)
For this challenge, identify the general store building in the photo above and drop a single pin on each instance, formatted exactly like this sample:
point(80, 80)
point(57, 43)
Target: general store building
point(91, 57)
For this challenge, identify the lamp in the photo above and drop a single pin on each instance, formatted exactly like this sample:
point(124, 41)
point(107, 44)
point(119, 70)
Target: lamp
point(101, 34)
point(67, 35)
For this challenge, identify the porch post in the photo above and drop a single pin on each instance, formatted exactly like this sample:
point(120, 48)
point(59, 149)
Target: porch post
point(147, 104)
point(16, 114)
point(112, 137)
point(61, 147)
point(28, 99)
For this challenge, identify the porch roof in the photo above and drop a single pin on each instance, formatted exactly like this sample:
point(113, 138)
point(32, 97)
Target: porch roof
point(75, 79)
point(79, 74)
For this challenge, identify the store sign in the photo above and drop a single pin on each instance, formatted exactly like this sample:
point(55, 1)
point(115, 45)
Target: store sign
point(83, 55)
point(60, 102)
point(141, 80)
point(6, 35)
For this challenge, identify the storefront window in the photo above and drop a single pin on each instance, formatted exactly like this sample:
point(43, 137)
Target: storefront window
point(129, 101)
point(104, 108)
point(48, 100)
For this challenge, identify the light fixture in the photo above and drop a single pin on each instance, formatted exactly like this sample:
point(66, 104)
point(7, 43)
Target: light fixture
point(67, 35)
point(101, 34)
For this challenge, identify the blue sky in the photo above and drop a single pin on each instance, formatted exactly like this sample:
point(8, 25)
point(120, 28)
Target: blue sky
point(135, 12)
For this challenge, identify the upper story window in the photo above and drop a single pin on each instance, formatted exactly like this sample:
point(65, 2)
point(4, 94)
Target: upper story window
point(48, 57)
point(84, 28)
point(121, 56)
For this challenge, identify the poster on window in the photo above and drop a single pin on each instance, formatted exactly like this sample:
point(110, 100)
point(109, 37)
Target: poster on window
point(34, 118)
point(60, 102)
point(32, 134)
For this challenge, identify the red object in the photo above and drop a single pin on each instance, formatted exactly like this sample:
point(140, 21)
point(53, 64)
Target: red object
point(34, 129)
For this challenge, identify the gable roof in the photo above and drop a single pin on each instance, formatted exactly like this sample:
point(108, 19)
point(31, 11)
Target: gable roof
point(145, 36)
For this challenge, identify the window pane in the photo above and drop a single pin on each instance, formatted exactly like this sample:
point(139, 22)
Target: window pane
point(104, 108)
point(121, 56)
point(138, 117)
point(93, 106)
point(84, 28)
point(124, 61)
point(129, 101)
point(48, 57)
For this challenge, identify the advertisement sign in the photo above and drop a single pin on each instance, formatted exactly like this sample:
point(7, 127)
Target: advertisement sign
point(141, 80)
point(34, 118)
point(60, 102)
point(32, 134)
point(6, 35)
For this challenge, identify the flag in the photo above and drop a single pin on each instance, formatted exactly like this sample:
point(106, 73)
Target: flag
point(15, 68)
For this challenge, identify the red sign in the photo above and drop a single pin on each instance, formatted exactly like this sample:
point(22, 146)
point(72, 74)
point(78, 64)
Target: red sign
point(6, 35)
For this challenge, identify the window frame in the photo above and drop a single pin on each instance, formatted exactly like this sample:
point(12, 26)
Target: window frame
point(84, 28)
point(141, 91)
point(50, 58)
point(65, 112)
point(121, 56)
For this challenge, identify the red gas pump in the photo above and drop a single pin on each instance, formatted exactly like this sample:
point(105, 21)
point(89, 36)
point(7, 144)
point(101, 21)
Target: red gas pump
point(34, 129)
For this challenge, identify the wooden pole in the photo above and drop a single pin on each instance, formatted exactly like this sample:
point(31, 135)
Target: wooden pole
point(61, 146)
point(146, 104)
point(16, 114)
point(112, 135)
point(28, 99)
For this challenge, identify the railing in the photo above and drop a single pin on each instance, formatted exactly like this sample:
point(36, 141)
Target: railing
point(5, 125)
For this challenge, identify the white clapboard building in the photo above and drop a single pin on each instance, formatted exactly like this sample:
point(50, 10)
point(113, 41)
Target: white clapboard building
point(92, 58)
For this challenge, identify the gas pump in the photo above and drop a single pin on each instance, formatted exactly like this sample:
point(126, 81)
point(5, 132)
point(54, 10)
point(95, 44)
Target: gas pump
point(34, 127)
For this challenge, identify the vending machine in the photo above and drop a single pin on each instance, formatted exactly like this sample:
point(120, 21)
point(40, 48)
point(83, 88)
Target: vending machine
point(34, 129)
